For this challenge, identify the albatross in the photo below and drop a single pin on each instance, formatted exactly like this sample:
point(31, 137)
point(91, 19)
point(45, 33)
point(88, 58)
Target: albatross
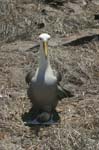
point(44, 90)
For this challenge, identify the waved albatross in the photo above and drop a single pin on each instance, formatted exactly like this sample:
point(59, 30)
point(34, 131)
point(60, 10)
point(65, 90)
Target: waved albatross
point(44, 90)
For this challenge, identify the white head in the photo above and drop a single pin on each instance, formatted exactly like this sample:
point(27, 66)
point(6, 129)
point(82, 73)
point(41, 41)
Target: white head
point(44, 37)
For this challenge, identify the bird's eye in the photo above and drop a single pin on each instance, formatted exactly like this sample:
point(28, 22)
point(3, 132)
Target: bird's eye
point(40, 38)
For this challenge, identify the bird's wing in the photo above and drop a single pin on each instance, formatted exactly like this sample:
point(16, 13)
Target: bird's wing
point(29, 76)
point(58, 76)
point(63, 93)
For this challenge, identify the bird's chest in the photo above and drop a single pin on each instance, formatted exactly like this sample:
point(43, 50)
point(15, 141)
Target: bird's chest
point(44, 85)
point(45, 90)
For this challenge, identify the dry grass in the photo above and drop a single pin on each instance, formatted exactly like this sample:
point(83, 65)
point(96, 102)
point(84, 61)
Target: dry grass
point(79, 65)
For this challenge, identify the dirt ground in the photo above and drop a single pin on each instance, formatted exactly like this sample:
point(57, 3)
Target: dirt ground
point(21, 22)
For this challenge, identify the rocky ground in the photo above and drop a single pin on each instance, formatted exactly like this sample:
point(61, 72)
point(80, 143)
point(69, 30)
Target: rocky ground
point(73, 49)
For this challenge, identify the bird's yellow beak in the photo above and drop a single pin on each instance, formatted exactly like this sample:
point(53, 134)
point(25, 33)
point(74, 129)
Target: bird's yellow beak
point(45, 45)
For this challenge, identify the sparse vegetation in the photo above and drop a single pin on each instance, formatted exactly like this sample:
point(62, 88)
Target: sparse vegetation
point(21, 22)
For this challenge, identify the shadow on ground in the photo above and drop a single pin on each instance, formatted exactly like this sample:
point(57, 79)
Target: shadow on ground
point(29, 116)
